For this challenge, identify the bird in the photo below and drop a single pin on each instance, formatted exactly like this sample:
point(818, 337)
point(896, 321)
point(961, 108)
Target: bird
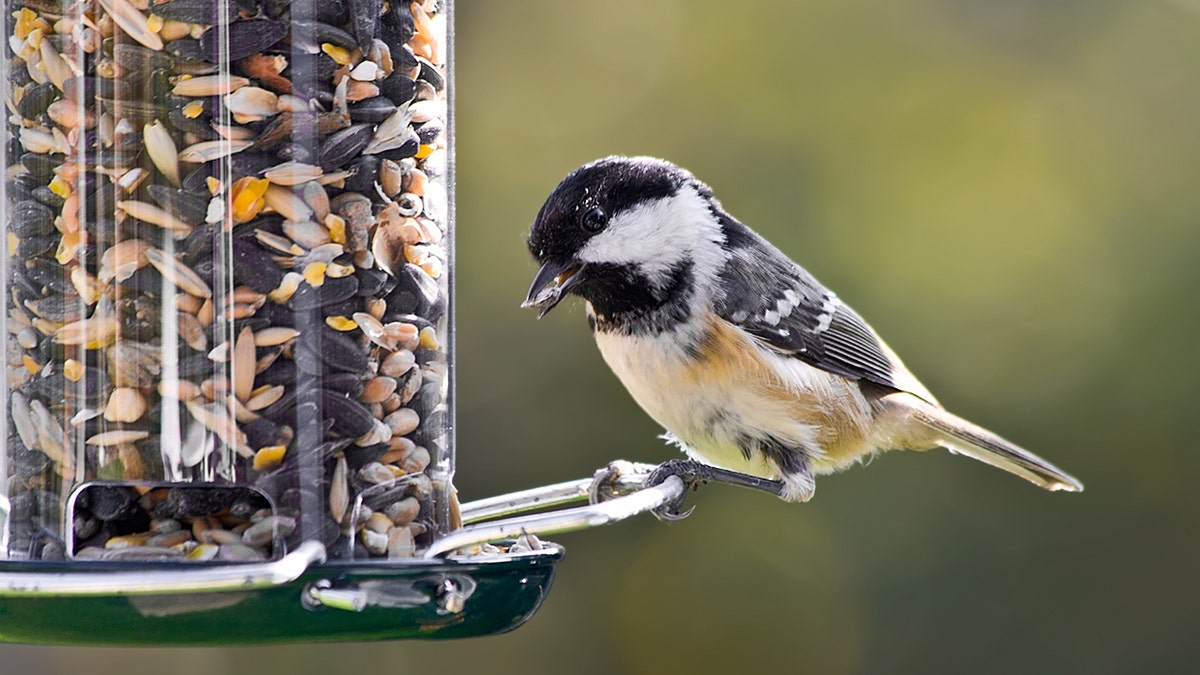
point(754, 368)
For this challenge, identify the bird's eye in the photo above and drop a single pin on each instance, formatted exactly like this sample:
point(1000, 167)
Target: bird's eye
point(595, 219)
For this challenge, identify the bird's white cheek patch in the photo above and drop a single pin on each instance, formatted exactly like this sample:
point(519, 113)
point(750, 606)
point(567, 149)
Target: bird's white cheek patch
point(658, 235)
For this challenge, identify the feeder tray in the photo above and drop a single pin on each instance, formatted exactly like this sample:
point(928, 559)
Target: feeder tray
point(458, 588)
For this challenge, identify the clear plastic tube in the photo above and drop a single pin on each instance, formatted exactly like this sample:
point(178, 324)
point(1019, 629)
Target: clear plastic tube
point(227, 278)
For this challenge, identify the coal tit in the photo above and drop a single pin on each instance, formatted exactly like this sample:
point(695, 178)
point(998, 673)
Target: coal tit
point(747, 360)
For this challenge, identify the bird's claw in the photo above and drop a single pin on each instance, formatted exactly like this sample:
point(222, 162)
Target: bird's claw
point(688, 472)
point(606, 484)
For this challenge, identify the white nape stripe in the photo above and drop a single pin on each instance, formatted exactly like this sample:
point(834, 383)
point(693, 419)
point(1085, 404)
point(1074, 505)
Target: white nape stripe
point(659, 234)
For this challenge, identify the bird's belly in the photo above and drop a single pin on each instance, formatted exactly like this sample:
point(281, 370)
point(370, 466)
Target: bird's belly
point(719, 399)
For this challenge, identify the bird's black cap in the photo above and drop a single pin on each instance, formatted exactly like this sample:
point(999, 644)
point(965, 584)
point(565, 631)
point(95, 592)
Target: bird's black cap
point(614, 184)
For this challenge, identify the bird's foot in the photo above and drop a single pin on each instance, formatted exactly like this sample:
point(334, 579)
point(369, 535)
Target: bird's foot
point(693, 473)
point(685, 470)
point(604, 482)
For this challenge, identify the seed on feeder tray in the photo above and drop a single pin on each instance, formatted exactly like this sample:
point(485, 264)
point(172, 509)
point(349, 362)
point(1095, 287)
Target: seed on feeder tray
point(403, 512)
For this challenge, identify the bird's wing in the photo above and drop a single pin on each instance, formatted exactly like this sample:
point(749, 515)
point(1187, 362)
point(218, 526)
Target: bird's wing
point(785, 307)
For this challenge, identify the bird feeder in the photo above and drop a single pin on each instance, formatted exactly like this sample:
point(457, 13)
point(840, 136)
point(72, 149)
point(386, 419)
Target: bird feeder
point(229, 334)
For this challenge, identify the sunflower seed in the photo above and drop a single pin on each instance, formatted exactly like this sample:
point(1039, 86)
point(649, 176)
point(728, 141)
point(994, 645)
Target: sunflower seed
point(344, 145)
point(239, 39)
point(205, 12)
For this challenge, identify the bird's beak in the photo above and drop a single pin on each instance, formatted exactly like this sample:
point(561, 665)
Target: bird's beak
point(552, 282)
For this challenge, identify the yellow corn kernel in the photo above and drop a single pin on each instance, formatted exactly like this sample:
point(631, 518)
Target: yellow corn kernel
point(193, 110)
point(314, 273)
point(214, 185)
point(269, 457)
point(60, 187)
point(203, 552)
point(68, 246)
point(32, 366)
point(337, 228)
point(73, 370)
point(287, 288)
point(248, 198)
point(154, 23)
point(340, 323)
point(26, 22)
point(127, 540)
point(13, 243)
point(34, 39)
point(340, 55)
point(428, 338)
point(424, 151)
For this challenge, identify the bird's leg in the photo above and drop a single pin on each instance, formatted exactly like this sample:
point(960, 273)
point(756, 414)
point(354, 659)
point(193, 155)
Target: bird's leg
point(692, 473)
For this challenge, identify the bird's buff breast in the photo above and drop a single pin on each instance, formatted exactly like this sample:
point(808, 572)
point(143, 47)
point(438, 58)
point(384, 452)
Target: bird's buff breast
point(712, 387)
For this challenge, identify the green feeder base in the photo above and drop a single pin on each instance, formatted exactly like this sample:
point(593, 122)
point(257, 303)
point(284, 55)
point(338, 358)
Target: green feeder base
point(302, 598)
point(431, 599)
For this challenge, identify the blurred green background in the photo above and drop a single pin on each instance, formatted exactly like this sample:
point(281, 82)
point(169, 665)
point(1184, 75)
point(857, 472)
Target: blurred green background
point(1006, 190)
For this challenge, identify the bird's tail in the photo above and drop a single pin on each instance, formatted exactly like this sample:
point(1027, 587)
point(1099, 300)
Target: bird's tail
point(964, 438)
